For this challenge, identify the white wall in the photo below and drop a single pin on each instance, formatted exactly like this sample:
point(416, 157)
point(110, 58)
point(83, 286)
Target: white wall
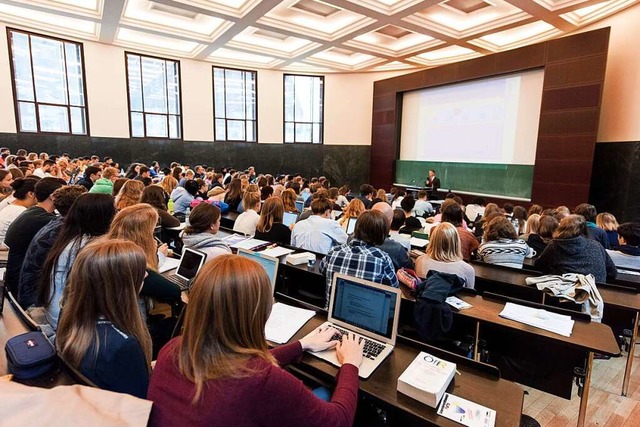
point(348, 99)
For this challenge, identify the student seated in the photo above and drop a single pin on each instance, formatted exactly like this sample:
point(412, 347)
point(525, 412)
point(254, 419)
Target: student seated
point(453, 213)
point(444, 254)
point(353, 210)
point(130, 194)
point(182, 198)
point(318, 233)
point(627, 255)
point(234, 194)
point(25, 197)
point(411, 223)
point(396, 246)
point(397, 221)
point(422, 206)
point(501, 245)
point(270, 226)
point(607, 222)
point(220, 371)
point(101, 332)
point(246, 222)
point(88, 218)
point(360, 257)
point(593, 232)
point(571, 251)
point(200, 234)
point(475, 209)
point(539, 238)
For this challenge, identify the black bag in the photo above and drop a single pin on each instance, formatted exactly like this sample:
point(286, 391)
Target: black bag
point(30, 355)
point(433, 317)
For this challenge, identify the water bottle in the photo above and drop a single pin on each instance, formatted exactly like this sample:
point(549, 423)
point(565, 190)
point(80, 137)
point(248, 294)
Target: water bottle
point(170, 206)
point(186, 216)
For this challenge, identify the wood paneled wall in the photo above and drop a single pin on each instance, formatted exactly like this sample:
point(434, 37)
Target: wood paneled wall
point(572, 93)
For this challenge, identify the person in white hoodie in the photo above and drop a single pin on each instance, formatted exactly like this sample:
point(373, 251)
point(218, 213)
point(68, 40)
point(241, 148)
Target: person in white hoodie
point(246, 222)
point(200, 234)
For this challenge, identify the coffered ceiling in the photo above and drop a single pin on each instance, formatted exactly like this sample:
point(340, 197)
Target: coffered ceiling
point(312, 35)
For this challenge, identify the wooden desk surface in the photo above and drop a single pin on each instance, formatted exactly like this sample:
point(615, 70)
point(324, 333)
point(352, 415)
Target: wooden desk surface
point(504, 396)
point(611, 297)
point(587, 336)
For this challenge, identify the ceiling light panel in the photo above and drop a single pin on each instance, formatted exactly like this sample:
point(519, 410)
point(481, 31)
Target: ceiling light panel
point(45, 21)
point(518, 36)
point(392, 66)
point(344, 59)
point(271, 43)
point(456, 23)
point(558, 4)
point(598, 11)
point(146, 14)
point(388, 7)
point(88, 8)
point(385, 42)
point(156, 44)
point(314, 18)
point(445, 55)
point(236, 8)
point(227, 57)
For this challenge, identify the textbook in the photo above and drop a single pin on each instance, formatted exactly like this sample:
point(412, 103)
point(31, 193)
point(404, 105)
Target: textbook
point(465, 412)
point(426, 379)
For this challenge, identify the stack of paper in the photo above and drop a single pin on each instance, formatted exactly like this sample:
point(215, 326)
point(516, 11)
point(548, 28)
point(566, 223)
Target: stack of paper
point(285, 321)
point(233, 239)
point(168, 265)
point(543, 319)
point(426, 379)
point(249, 244)
point(419, 243)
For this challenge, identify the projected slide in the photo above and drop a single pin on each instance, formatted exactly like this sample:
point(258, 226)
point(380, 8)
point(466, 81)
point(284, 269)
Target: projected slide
point(485, 121)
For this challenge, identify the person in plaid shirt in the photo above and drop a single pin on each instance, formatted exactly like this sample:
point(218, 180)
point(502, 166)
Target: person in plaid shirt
point(360, 257)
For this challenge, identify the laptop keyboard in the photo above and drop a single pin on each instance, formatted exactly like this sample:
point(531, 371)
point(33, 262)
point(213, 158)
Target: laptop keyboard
point(183, 284)
point(371, 348)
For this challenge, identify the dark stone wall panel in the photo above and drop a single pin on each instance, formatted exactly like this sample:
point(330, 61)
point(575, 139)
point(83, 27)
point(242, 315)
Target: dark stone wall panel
point(478, 67)
point(569, 122)
point(577, 147)
point(523, 58)
point(583, 44)
point(576, 72)
point(573, 97)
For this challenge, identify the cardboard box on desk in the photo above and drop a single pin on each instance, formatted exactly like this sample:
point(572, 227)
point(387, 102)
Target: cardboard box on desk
point(426, 379)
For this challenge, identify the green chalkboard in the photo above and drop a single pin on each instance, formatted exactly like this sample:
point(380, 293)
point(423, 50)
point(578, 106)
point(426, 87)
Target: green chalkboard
point(491, 179)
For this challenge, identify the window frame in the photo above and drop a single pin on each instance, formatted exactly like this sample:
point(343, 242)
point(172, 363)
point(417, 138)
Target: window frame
point(215, 137)
point(35, 102)
point(284, 111)
point(167, 115)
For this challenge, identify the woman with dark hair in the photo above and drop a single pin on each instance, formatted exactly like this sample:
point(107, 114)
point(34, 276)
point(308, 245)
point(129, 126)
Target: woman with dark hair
point(154, 195)
point(501, 245)
point(540, 235)
point(200, 234)
point(360, 257)
point(571, 251)
point(25, 197)
point(101, 332)
point(89, 217)
point(133, 170)
point(221, 371)
point(6, 179)
point(234, 194)
point(270, 226)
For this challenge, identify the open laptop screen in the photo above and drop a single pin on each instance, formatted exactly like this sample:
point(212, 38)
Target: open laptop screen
point(365, 307)
point(299, 205)
point(351, 225)
point(190, 263)
point(270, 264)
point(289, 218)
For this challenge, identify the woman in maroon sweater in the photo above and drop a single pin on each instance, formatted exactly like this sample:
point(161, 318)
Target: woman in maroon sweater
point(221, 372)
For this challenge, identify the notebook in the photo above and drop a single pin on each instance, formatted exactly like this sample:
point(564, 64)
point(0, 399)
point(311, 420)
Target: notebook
point(190, 263)
point(369, 310)
point(269, 263)
point(289, 218)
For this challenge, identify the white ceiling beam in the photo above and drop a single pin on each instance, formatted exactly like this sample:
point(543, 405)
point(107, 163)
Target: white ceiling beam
point(111, 15)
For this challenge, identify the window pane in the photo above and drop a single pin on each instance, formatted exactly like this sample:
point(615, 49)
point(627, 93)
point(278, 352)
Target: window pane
point(135, 82)
point(250, 90)
point(251, 131)
point(22, 67)
point(53, 119)
point(48, 68)
point(288, 132)
point(137, 125)
point(235, 130)
point(289, 96)
point(78, 121)
point(316, 134)
point(218, 92)
point(174, 127)
point(173, 87)
point(234, 94)
point(303, 99)
point(316, 100)
point(156, 125)
point(154, 86)
point(303, 132)
point(74, 74)
point(220, 130)
point(27, 113)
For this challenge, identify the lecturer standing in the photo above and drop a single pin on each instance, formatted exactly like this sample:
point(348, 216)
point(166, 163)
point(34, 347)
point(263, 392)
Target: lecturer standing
point(432, 184)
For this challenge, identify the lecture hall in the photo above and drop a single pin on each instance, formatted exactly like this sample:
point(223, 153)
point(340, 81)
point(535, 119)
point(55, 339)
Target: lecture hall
point(319, 213)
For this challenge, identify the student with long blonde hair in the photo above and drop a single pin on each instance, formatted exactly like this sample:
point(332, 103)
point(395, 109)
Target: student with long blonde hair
point(130, 194)
point(221, 371)
point(444, 254)
point(101, 332)
point(353, 210)
point(168, 184)
point(288, 197)
point(609, 224)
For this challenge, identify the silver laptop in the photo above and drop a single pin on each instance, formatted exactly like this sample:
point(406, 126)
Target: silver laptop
point(269, 263)
point(289, 218)
point(369, 310)
point(190, 263)
point(351, 225)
